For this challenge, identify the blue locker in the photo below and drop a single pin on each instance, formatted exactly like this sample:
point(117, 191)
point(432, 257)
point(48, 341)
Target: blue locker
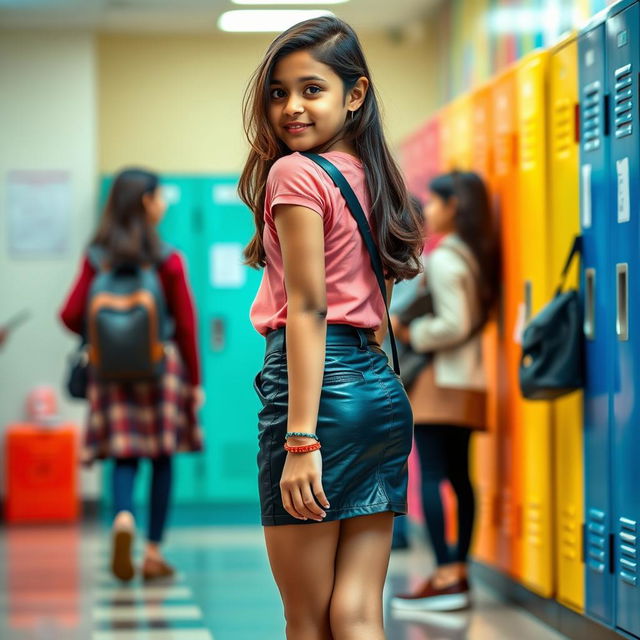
point(594, 216)
point(623, 64)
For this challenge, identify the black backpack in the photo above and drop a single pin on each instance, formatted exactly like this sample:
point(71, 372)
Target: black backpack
point(127, 320)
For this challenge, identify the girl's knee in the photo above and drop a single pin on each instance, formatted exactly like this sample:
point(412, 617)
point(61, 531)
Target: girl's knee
point(353, 618)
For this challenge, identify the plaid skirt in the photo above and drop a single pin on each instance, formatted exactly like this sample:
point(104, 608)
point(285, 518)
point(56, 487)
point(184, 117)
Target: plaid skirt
point(142, 419)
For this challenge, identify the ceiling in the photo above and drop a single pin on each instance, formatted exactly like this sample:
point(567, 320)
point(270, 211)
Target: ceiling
point(187, 16)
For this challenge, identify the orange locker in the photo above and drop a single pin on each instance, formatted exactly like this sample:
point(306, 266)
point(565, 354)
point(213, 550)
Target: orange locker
point(41, 473)
point(506, 197)
point(485, 453)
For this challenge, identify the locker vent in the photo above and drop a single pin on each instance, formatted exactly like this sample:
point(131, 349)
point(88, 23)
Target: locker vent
point(570, 533)
point(592, 116)
point(596, 541)
point(534, 524)
point(623, 108)
point(627, 537)
point(562, 127)
point(509, 519)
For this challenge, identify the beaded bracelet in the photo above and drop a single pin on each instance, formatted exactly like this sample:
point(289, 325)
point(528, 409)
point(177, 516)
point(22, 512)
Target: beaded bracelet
point(299, 434)
point(304, 449)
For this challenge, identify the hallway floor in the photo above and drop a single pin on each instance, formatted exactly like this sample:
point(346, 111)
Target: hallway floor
point(56, 586)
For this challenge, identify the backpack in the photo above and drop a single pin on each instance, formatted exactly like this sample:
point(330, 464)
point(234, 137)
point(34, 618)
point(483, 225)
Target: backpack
point(127, 320)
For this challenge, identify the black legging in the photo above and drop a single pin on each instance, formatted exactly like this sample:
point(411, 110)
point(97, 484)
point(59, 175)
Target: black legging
point(444, 455)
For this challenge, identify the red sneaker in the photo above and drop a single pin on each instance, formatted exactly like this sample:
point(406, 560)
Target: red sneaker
point(430, 598)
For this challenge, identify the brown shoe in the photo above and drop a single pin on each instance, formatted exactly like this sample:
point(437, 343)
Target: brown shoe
point(154, 569)
point(430, 598)
point(121, 563)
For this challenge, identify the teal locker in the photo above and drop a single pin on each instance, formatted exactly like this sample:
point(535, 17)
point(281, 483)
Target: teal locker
point(232, 350)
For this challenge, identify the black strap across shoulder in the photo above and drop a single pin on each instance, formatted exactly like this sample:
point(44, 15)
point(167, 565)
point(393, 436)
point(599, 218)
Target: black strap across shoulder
point(365, 230)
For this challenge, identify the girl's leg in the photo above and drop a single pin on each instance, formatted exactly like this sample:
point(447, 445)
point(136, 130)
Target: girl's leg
point(433, 469)
point(161, 480)
point(458, 472)
point(360, 571)
point(303, 559)
point(124, 475)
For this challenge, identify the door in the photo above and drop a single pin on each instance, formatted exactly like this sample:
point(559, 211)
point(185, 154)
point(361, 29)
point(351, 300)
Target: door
point(599, 320)
point(564, 224)
point(623, 60)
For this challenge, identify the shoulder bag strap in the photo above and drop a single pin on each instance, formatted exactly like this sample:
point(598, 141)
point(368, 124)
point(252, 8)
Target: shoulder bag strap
point(365, 230)
point(576, 250)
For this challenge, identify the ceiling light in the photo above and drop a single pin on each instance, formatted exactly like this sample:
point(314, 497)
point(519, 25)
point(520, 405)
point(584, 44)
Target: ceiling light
point(266, 20)
point(282, 2)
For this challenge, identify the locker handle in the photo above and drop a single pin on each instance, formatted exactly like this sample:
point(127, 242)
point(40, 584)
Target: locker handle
point(590, 304)
point(576, 122)
point(622, 301)
point(528, 300)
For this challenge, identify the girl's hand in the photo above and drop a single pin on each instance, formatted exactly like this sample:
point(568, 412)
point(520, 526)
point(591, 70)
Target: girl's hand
point(301, 481)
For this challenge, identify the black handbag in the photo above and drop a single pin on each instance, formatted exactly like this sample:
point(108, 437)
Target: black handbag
point(552, 363)
point(78, 376)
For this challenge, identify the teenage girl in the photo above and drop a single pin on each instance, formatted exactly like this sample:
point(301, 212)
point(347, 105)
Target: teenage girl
point(154, 420)
point(328, 512)
point(448, 397)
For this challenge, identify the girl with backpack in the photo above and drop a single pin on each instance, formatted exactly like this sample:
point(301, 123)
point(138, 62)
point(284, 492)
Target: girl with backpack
point(132, 287)
point(449, 395)
point(335, 430)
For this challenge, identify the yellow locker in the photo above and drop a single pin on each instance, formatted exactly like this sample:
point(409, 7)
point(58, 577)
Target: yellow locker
point(537, 514)
point(461, 114)
point(564, 224)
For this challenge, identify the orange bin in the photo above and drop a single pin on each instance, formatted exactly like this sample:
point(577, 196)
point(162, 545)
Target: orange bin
point(41, 473)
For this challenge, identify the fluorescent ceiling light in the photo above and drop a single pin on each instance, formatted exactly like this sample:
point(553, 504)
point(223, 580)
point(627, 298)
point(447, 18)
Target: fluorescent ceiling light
point(283, 2)
point(266, 20)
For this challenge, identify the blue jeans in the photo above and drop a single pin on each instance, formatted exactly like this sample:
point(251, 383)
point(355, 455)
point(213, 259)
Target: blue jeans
point(124, 473)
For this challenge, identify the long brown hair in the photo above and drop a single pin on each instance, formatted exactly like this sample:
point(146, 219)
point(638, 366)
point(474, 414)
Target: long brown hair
point(125, 233)
point(475, 226)
point(397, 224)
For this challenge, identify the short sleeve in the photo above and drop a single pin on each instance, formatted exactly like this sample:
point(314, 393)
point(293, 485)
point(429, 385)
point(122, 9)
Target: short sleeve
point(294, 179)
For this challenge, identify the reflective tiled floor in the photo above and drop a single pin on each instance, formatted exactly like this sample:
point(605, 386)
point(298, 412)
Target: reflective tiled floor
point(55, 586)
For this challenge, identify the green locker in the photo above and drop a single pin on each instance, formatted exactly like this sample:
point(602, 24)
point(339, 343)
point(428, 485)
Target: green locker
point(232, 350)
point(209, 225)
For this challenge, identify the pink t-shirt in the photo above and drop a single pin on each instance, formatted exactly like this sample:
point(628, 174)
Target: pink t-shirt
point(353, 294)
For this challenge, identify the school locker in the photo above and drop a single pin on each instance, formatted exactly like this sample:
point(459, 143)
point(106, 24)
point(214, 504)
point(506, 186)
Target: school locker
point(179, 228)
point(599, 317)
point(485, 447)
point(506, 198)
point(623, 65)
point(564, 224)
point(447, 147)
point(232, 350)
point(461, 126)
point(537, 562)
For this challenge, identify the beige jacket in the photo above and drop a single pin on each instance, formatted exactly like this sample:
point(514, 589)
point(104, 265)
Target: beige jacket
point(453, 389)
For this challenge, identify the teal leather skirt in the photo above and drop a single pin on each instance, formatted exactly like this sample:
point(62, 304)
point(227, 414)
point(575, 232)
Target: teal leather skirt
point(365, 425)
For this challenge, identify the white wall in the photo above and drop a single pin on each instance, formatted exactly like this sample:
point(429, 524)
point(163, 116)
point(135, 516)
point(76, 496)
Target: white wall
point(47, 121)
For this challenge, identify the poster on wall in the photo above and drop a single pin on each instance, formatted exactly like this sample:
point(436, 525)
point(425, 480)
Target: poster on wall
point(38, 213)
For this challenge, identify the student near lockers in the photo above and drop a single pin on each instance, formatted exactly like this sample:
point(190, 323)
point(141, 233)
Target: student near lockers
point(449, 396)
point(151, 419)
point(335, 430)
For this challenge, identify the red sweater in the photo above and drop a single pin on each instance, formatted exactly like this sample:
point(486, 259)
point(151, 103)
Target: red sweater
point(179, 302)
